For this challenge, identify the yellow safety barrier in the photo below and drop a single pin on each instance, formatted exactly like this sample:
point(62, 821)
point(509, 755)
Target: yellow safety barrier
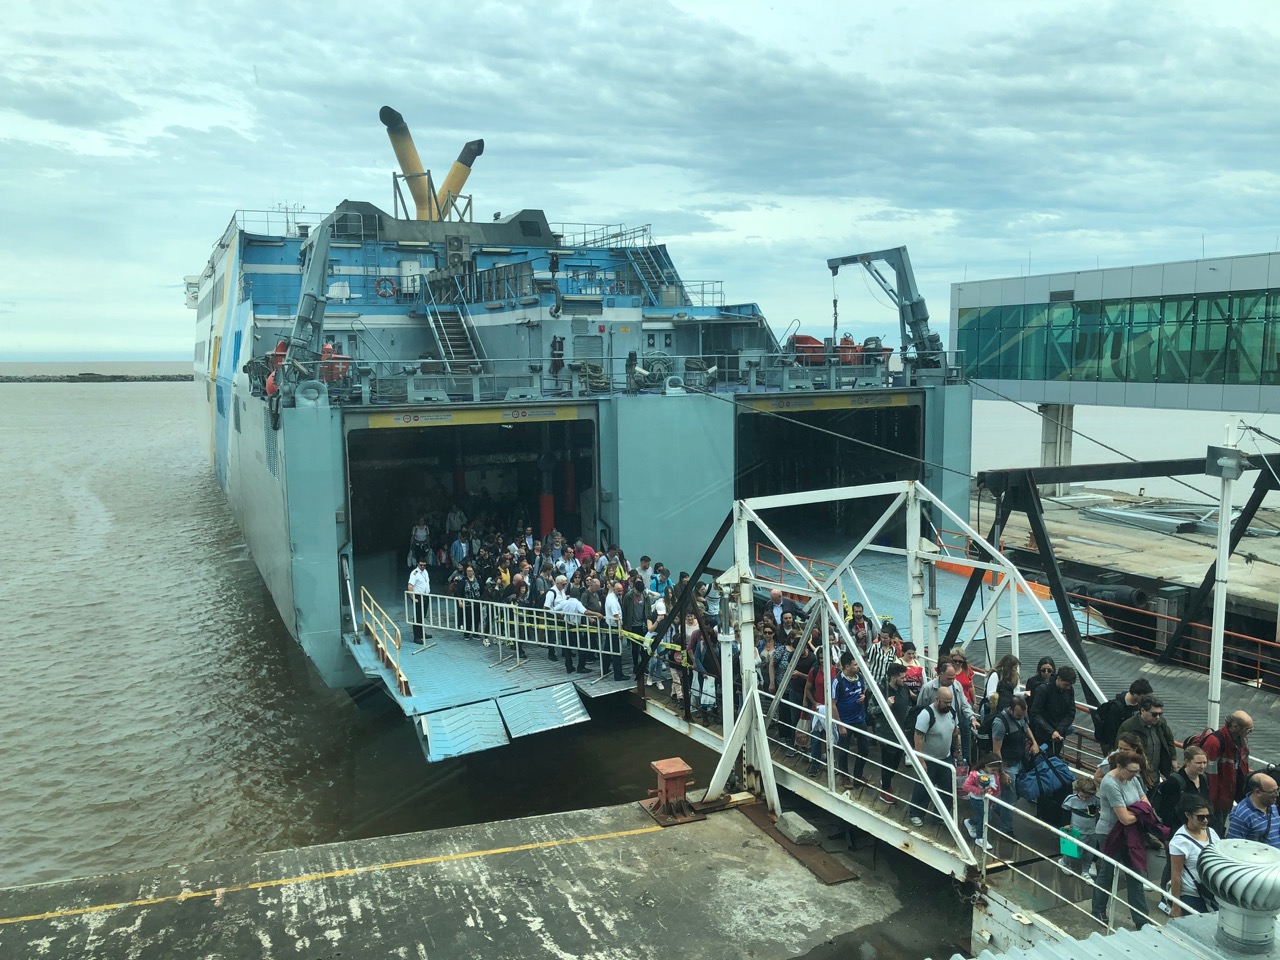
point(385, 634)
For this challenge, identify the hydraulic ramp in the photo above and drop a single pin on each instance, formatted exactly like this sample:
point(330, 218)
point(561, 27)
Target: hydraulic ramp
point(465, 696)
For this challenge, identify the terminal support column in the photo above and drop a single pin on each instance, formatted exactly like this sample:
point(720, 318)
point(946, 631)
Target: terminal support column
point(1057, 421)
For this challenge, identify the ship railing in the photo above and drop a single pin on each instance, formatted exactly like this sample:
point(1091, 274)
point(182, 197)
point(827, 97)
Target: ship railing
point(277, 223)
point(383, 632)
point(1031, 867)
point(601, 235)
point(414, 380)
point(704, 293)
point(1246, 659)
point(387, 289)
point(511, 630)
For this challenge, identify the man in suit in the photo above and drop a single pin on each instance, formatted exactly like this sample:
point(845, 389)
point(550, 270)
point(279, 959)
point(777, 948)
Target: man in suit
point(778, 605)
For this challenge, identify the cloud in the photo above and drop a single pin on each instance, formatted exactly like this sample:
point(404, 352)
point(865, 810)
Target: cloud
point(756, 142)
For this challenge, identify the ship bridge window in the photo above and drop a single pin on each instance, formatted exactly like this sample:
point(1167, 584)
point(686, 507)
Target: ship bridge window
point(530, 228)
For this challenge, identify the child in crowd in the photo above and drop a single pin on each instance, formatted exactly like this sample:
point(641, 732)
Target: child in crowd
point(985, 779)
point(1083, 807)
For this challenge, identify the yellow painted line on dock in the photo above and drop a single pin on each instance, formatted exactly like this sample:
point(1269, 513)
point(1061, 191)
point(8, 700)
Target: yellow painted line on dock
point(327, 875)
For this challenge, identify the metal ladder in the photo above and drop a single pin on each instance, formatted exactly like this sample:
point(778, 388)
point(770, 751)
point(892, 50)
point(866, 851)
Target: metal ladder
point(655, 271)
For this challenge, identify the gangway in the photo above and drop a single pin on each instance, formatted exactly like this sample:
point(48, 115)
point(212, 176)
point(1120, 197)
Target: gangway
point(751, 755)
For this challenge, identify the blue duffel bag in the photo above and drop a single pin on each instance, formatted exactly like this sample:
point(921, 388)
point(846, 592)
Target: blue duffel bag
point(1045, 776)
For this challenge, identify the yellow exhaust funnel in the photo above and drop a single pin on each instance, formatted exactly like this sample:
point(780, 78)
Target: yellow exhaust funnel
point(451, 189)
point(410, 164)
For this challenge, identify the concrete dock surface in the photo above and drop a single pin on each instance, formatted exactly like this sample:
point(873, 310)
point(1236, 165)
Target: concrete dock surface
point(600, 883)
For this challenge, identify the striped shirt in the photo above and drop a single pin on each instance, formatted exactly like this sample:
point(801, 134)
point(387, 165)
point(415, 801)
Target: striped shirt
point(1249, 823)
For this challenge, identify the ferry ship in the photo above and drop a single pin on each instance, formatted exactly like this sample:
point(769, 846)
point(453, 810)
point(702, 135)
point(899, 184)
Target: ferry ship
point(355, 366)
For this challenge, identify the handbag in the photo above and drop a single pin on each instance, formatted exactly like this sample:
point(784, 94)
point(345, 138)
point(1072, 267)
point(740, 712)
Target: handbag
point(1045, 776)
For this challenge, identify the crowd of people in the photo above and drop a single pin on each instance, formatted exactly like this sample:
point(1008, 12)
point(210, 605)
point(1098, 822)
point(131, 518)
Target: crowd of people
point(605, 604)
point(979, 733)
point(974, 732)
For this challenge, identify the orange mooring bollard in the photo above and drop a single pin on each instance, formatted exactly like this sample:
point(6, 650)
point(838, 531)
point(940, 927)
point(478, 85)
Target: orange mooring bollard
point(669, 804)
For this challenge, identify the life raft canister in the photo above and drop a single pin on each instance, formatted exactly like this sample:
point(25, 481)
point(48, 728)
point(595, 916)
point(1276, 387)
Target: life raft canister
point(276, 356)
point(385, 287)
point(333, 366)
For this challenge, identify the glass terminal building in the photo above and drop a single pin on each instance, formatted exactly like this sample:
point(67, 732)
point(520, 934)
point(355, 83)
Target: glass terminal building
point(1200, 335)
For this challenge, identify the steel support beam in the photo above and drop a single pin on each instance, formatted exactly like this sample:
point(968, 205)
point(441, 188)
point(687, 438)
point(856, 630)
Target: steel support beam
point(1028, 496)
point(1004, 507)
point(998, 481)
point(1195, 607)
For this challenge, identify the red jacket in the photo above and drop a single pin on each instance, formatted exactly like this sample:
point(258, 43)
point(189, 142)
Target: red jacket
point(1228, 768)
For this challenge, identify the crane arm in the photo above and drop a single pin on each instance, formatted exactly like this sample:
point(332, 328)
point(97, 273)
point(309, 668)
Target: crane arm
point(913, 314)
point(308, 321)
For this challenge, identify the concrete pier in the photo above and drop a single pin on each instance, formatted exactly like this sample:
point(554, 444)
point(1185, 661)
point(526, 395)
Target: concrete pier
point(601, 883)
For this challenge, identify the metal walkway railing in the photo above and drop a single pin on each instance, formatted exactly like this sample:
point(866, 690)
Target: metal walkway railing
point(510, 628)
point(383, 631)
point(1026, 860)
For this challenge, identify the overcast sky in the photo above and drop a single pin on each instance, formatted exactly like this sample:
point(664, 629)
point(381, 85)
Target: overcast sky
point(758, 139)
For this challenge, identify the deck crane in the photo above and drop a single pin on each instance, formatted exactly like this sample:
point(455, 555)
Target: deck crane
point(921, 347)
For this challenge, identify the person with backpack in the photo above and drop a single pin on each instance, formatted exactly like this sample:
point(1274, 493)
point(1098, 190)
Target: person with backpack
point(1108, 716)
point(937, 742)
point(964, 715)
point(1150, 726)
point(1053, 710)
point(1188, 780)
point(895, 694)
point(1227, 751)
point(1012, 742)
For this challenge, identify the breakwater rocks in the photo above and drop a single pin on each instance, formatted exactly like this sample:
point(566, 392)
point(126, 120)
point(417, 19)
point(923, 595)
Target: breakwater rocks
point(100, 378)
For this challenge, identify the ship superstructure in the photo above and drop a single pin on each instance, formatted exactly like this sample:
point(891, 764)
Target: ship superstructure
point(355, 369)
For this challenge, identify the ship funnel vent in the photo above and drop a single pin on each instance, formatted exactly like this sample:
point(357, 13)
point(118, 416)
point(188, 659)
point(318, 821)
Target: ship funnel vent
point(1244, 877)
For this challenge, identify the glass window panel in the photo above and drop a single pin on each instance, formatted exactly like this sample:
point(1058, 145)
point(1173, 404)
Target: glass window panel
point(1213, 308)
point(1208, 354)
point(988, 343)
point(1060, 337)
point(1244, 360)
point(1009, 350)
point(1271, 350)
point(1088, 340)
point(967, 343)
point(1143, 351)
point(1035, 321)
point(1113, 340)
point(1249, 306)
point(1145, 312)
point(1176, 331)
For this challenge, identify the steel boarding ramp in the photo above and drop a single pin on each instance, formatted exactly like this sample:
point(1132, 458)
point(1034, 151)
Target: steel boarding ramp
point(885, 580)
point(486, 724)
